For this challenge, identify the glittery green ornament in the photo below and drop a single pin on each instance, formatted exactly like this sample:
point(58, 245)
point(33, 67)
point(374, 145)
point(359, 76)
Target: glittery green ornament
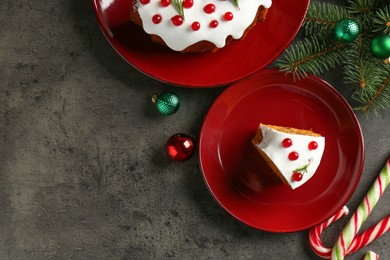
point(167, 103)
point(347, 30)
point(380, 46)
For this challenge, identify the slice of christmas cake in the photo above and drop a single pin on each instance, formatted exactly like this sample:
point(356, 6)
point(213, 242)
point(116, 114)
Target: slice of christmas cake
point(292, 154)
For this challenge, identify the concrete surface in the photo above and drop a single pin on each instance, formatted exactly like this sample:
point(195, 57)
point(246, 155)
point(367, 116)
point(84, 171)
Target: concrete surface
point(83, 171)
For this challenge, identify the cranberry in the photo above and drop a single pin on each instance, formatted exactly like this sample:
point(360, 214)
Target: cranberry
point(195, 26)
point(177, 20)
point(287, 142)
point(228, 16)
point(209, 8)
point(297, 176)
point(313, 145)
point(188, 3)
point(293, 156)
point(214, 24)
point(165, 3)
point(156, 19)
point(144, 2)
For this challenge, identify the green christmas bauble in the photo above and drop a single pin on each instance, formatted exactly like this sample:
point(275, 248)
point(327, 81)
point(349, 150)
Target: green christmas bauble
point(347, 30)
point(380, 46)
point(167, 103)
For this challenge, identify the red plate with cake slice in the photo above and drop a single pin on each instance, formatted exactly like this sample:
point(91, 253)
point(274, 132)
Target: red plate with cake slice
point(234, 62)
point(234, 174)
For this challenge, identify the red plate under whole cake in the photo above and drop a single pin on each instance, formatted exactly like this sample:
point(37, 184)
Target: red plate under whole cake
point(238, 60)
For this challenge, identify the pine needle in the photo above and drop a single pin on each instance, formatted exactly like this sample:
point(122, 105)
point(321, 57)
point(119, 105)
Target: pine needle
point(381, 20)
point(375, 98)
point(178, 5)
point(322, 17)
point(312, 55)
point(319, 51)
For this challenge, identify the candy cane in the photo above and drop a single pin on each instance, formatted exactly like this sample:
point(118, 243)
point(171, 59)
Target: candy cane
point(370, 256)
point(364, 238)
point(369, 235)
point(315, 234)
point(358, 242)
point(370, 200)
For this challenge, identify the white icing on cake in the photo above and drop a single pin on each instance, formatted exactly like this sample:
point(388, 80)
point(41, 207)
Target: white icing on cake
point(271, 145)
point(180, 37)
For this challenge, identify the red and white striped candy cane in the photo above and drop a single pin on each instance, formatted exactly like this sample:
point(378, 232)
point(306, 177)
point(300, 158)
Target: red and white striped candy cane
point(369, 235)
point(355, 223)
point(359, 217)
point(315, 234)
point(358, 242)
point(370, 256)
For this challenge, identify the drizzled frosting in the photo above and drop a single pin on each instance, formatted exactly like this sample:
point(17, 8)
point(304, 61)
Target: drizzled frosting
point(179, 37)
point(284, 156)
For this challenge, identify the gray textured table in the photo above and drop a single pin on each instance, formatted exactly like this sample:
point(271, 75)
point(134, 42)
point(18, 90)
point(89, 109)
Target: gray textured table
point(83, 172)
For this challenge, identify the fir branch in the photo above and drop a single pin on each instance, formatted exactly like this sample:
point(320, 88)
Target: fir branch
point(375, 98)
point(312, 55)
point(320, 51)
point(359, 65)
point(322, 17)
point(364, 10)
point(379, 100)
point(360, 7)
point(381, 20)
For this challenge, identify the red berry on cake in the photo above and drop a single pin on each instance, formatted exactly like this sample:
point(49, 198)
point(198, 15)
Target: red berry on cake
point(165, 3)
point(286, 142)
point(209, 8)
point(293, 154)
point(297, 176)
point(177, 20)
point(214, 24)
point(221, 22)
point(313, 145)
point(195, 26)
point(157, 18)
point(188, 3)
point(228, 16)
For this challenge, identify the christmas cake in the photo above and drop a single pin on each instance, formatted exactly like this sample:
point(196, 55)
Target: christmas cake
point(197, 25)
point(292, 154)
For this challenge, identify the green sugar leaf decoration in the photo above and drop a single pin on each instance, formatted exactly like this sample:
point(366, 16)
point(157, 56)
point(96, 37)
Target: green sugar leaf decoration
point(178, 4)
point(235, 3)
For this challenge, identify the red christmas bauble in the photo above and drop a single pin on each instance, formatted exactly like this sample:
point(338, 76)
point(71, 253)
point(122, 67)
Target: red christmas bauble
point(180, 147)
